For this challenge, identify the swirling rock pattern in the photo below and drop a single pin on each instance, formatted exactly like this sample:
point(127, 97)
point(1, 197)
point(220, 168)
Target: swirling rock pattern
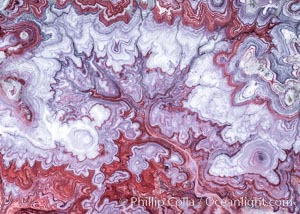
point(128, 106)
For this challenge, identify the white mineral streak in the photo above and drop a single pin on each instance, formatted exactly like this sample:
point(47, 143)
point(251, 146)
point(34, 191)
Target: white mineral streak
point(79, 137)
point(3, 4)
point(248, 161)
point(2, 56)
point(213, 100)
point(138, 162)
point(12, 89)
